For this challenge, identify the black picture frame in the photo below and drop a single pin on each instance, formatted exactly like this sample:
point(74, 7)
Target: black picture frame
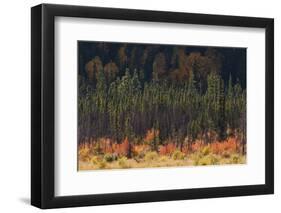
point(43, 102)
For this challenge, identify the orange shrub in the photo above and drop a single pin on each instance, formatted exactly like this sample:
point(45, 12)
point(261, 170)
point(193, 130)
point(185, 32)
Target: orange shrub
point(230, 145)
point(185, 149)
point(197, 145)
point(121, 149)
point(105, 145)
point(90, 147)
point(139, 150)
point(151, 135)
point(167, 149)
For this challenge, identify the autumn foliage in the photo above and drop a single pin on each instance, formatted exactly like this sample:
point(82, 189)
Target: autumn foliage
point(154, 105)
point(167, 149)
point(151, 135)
point(198, 152)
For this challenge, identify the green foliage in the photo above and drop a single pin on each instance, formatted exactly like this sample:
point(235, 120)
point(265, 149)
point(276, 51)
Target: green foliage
point(118, 102)
point(108, 157)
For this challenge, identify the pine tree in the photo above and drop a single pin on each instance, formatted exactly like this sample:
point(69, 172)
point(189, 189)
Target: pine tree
point(128, 106)
point(229, 107)
point(101, 102)
point(221, 111)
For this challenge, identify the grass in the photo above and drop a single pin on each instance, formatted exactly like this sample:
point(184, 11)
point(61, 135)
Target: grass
point(154, 160)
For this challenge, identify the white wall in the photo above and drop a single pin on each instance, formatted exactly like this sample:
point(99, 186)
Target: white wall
point(15, 105)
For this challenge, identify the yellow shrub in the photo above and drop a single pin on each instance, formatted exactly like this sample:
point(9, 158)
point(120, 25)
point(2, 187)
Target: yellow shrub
point(84, 154)
point(235, 158)
point(163, 158)
point(123, 162)
point(95, 160)
point(178, 155)
point(226, 154)
point(206, 150)
point(102, 164)
point(208, 160)
point(195, 157)
point(150, 156)
point(108, 157)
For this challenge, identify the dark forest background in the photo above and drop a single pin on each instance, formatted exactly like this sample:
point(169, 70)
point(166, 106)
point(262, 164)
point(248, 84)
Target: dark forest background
point(231, 61)
point(180, 92)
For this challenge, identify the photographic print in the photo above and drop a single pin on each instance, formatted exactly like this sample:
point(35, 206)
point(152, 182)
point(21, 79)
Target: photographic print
point(111, 99)
point(159, 105)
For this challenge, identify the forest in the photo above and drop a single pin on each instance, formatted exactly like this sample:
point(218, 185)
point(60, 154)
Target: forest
point(151, 105)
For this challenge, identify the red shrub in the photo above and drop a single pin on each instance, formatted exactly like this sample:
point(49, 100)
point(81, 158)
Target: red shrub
point(230, 145)
point(185, 149)
point(197, 146)
point(151, 135)
point(167, 149)
point(121, 149)
point(140, 149)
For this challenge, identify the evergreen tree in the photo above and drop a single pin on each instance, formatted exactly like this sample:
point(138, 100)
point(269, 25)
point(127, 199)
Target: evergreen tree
point(127, 103)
